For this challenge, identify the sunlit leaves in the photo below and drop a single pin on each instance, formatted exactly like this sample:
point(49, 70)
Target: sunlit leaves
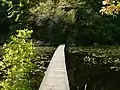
point(17, 10)
point(110, 7)
point(51, 9)
point(17, 56)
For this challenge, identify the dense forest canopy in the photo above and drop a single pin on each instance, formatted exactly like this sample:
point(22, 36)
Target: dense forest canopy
point(78, 22)
point(111, 7)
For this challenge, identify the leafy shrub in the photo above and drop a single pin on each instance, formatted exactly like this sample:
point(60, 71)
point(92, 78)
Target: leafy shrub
point(18, 53)
point(41, 61)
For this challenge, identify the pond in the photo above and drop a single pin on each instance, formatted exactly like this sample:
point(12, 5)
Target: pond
point(89, 68)
point(92, 68)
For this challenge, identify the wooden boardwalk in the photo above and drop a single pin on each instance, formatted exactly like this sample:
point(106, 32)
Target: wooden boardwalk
point(56, 75)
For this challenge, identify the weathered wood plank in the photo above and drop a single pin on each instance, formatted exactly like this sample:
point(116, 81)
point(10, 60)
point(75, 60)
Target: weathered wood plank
point(56, 75)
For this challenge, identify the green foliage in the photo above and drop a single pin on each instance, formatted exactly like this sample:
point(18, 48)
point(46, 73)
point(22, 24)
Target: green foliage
point(73, 22)
point(92, 27)
point(41, 61)
point(18, 53)
point(104, 55)
point(4, 29)
point(16, 11)
point(95, 68)
point(111, 7)
point(64, 21)
point(51, 20)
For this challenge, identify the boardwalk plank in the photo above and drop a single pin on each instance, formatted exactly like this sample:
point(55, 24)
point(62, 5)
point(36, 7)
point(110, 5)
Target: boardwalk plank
point(56, 75)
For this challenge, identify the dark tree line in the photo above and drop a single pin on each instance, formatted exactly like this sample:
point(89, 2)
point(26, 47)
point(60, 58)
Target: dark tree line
point(76, 22)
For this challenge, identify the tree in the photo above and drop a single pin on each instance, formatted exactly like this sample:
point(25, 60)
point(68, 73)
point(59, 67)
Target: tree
point(110, 7)
point(4, 30)
point(51, 19)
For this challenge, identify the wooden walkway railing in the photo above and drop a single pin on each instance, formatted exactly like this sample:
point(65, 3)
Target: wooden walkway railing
point(56, 75)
